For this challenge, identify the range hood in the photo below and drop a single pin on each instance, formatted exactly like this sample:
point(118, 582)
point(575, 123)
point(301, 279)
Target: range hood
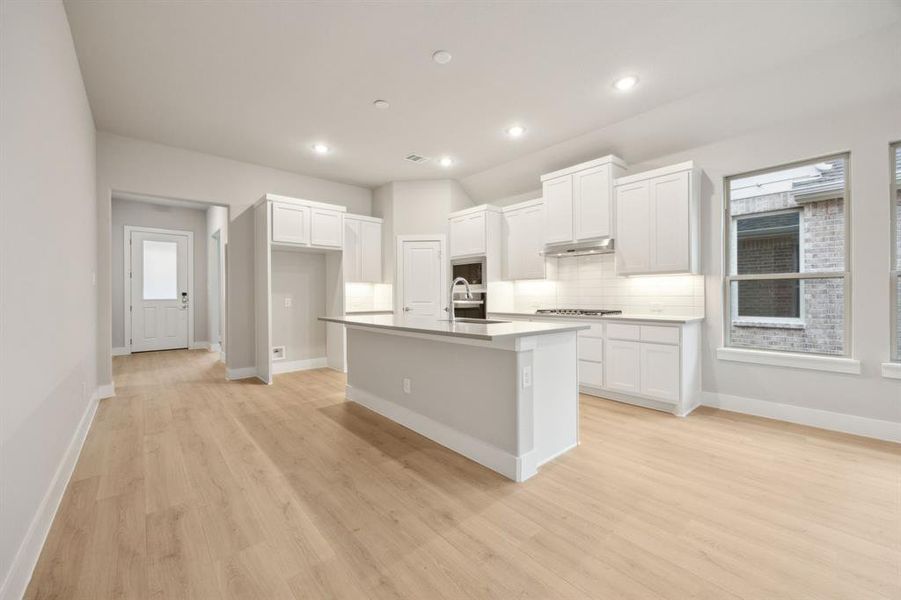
point(604, 246)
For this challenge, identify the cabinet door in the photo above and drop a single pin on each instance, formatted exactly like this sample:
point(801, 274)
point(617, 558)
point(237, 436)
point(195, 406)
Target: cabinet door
point(669, 221)
point(660, 372)
point(457, 236)
point(591, 373)
point(290, 223)
point(371, 255)
point(524, 243)
point(352, 250)
point(592, 203)
point(327, 227)
point(632, 230)
point(591, 348)
point(623, 366)
point(475, 234)
point(558, 206)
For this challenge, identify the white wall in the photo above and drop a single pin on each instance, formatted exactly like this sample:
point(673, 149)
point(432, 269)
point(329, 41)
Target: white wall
point(301, 277)
point(866, 131)
point(144, 214)
point(48, 363)
point(136, 166)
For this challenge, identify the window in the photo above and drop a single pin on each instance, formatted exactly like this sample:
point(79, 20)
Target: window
point(896, 250)
point(160, 270)
point(786, 251)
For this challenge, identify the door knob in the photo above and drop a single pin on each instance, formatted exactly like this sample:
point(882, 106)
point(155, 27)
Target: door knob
point(407, 309)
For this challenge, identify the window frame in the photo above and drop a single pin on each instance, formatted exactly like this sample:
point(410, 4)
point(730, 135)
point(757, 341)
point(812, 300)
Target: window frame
point(895, 262)
point(769, 321)
point(730, 256)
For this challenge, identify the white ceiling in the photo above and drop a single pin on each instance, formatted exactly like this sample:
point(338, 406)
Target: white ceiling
point(262, 81)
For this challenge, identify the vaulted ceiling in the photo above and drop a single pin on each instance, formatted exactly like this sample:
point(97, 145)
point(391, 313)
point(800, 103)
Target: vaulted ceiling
point(262, 82)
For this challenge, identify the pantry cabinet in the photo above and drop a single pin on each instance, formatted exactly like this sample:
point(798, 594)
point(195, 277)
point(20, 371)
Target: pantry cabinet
point(523, 240)
point(657, 221)
point(362, 249)
point(579, 201)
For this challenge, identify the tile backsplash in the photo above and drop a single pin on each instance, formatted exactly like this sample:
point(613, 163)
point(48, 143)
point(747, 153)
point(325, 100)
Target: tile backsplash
point(368, 296)
point(591, 282)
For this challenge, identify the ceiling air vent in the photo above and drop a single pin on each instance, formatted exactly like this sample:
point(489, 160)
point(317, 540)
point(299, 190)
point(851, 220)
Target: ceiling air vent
point(415, 158)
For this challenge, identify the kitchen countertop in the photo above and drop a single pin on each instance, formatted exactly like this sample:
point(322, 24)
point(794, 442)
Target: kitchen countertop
point(387, 311)
point(622, 317)
point(476, 331)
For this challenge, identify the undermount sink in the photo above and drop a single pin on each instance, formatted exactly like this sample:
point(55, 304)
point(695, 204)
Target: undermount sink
point(480, 321)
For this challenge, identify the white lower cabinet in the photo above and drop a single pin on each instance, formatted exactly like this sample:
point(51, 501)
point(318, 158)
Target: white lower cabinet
point(623, 366)
point(659, 367)
point(591, 373)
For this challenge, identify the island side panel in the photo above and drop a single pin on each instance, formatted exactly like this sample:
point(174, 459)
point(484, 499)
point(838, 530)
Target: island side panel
point(461, 395)
point(555, 395)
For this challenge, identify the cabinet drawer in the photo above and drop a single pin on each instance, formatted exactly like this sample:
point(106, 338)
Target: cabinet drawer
point(596, 331)
point(591, 373)
point(661, 335)
point(619, 331)
point(591, 349)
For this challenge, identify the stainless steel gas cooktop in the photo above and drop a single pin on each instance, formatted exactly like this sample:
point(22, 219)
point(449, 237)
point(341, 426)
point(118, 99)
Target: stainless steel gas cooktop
point(577, 312)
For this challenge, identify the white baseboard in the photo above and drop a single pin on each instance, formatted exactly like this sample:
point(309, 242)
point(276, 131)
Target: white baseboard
point(216, 347)
point(201, 345)
point(121, 351)
point(106, 391)
point(222, 356)
point(26, 558)
point(289, 366)
point(813, 417)
point(241, 373)
point(487, 455)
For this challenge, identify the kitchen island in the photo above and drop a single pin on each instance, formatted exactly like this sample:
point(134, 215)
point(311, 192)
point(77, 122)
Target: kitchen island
point(504, 394)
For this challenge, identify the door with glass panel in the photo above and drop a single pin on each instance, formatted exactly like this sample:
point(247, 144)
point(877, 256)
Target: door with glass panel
point(159, 291)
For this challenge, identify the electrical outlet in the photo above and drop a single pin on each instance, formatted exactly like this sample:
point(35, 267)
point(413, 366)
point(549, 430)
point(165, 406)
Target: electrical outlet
point(278, 353)
point(527, 377)
point(408, 386)
point(288, 302)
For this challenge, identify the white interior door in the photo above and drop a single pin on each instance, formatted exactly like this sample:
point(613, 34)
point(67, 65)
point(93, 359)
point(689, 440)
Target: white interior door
point(422, 278)
point(159, 291)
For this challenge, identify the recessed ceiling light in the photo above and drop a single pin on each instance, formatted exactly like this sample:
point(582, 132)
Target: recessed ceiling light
point(320, 149)
point(516, 131)
point(442, 57)
point(383, 104)
point(625, 83)
point(446, 161)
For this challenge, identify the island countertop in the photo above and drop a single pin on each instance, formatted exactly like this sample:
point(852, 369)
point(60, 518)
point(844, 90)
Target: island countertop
point(460, 329)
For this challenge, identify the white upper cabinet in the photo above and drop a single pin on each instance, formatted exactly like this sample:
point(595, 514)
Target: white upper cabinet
point(469, 231)
point(290, 223)
point(657, 221)
point(558, 202)
point(306, 223)
point(633, 209)
point(362, 249)
point(579, 201)
point(592, 203)
point(326, 228)
point(524, 240)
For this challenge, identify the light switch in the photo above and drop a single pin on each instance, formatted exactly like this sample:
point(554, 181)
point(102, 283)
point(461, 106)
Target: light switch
point(407, 385)
point(288, 302)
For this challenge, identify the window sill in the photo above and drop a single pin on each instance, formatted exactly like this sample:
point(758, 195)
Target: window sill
point(832, 364)
point(769, 324)
point(891, 370)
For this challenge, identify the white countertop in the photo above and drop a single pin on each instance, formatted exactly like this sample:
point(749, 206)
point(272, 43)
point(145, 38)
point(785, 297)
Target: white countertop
point(477, 331)
point(621, 317)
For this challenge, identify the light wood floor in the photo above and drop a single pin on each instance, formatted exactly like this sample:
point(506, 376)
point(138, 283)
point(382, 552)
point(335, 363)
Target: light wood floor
point(189, 486)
